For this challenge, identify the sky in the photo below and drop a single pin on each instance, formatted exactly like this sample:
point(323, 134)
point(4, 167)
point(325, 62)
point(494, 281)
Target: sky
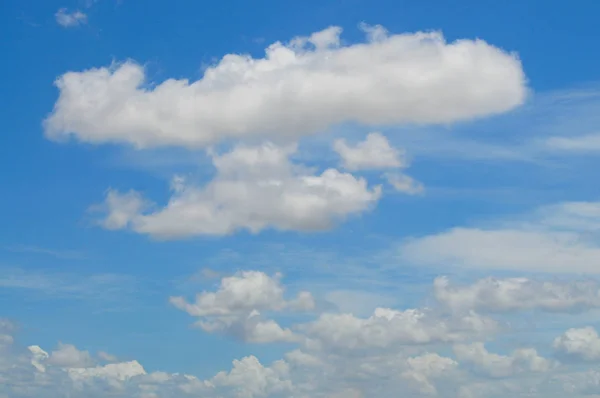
point(330, 199)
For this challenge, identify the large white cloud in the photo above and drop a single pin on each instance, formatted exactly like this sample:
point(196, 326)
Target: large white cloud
point(298, 88)
point(255, 187)
point(558, 238)
point(511, 294)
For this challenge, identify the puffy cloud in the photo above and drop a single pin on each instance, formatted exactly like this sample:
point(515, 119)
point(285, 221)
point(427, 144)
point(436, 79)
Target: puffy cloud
point(68, 19)
point(498, 366)
point(68, 356)
point(387, 328)
point(236, 306)
point(298, 88)
point(314, 374)
point(511, 294)
point(249, 378)
point(375, 152)
point(114, 371)
point(583, 343)
point(425, 367)
point(254, 188)
point(554, 239)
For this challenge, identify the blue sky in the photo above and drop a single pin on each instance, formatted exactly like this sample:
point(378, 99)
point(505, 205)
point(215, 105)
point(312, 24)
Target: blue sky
point(495, 143)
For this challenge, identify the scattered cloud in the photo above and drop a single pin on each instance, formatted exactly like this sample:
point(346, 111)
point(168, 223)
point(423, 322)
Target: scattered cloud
point(70, 19)
point(419, 351)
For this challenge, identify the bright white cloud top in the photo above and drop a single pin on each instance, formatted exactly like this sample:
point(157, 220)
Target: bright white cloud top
point(299, 88)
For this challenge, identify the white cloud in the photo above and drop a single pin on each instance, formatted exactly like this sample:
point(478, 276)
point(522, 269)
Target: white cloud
point(582, 143)
point(403, 183)
point(249, 378)
point(70, 19)
point(583, 343)
point(121, 371)
point(511, 294)
point(68, 356)
point(425, 367)
point(554, 239)
point(375, 152)
point(299, 88)
point(498, 366)
point(236, 306)
point(255, 188)
point(306, 373)
point(387, 328)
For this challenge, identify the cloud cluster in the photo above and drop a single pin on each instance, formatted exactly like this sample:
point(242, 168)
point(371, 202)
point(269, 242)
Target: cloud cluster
point(235, 308)
point(423, 352)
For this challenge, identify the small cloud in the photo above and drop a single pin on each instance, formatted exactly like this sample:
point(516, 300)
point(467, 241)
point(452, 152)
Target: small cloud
point(68, 19)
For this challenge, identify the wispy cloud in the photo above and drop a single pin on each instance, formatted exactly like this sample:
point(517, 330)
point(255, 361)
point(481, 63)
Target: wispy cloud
point(62, 254)
point(104, 287)
point(70, 19)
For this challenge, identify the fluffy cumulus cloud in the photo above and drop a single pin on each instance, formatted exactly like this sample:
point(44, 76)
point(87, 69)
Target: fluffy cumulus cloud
point(557, 238)
point(513, 294)
point(235, 308)
point(582, 343)
point(255, 188)
point(68, 19)
point(420, 351)
point(388, 327)
point(422, 369)
point(298, 88)
point(68, 356)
